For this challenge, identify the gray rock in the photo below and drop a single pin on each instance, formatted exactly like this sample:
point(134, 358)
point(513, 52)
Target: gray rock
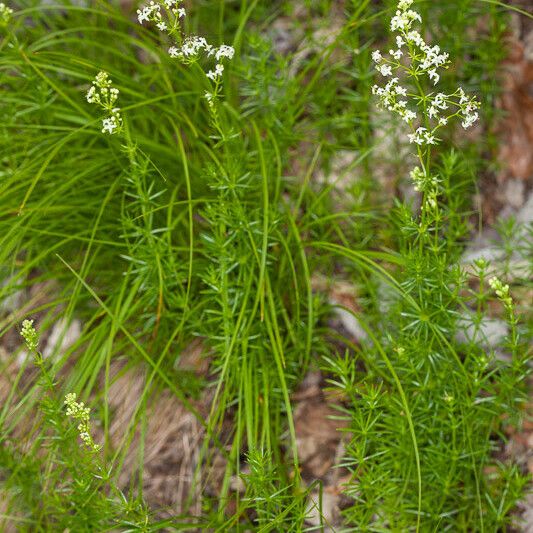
point(489, 334)
point(62, 337)
point(525, 214)
point(514, 193)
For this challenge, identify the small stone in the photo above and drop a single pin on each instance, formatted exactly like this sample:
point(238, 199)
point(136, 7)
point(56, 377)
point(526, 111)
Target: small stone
point(525, 215)
point(62, 337)
point(483, 247)
point(489, 333)
point(514, 193)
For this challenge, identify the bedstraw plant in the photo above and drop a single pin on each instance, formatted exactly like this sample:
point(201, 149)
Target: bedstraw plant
point(428, 412)
point(57, 468)
point(168, 176)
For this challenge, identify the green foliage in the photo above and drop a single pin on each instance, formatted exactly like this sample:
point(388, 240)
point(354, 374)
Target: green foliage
point(53, 481)
point(198, 220)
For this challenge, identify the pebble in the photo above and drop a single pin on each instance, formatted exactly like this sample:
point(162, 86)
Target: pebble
point(62, 336)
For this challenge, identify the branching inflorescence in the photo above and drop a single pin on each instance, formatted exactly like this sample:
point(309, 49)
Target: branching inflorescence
point(502, 292)
point(425, 112)
point(29, 334)
point(167, 15)
point(78, 411)
point(102, 93)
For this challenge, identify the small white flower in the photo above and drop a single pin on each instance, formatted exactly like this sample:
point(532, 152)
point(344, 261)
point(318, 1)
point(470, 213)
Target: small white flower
point(440, 101)
point(142, 15)
point(462, 96)
point(409, 116)
point(404, 19)
point(421, 137)
point(217, 73)
point(109, 125)
point(469, 120)
point(192, 46)
point(396, 54)
point(162, 26)
point(148, 12)
point(91, 95)
point(432, 58)
point(434, 76)
point(224, 51)
point(181, 13)
point(384, 70)
point(415, 38)
point(376, 56)
point(418, 136)
point(173, 52)
point(402, 91)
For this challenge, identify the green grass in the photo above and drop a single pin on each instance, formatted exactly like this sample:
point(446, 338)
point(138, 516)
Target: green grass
point(184, 227)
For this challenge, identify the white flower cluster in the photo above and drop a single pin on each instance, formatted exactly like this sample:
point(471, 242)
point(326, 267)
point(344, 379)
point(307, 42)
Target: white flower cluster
point(421, 137)
point(194, 47)
point(103, 94)
point(78, 411)
point(5, 14)
point(502, 292)
point(153, 12)
point(423, 61)
point(29, 334)
point(166, 15)
point(390, 99)
point(190, 49)
point(404, 17)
